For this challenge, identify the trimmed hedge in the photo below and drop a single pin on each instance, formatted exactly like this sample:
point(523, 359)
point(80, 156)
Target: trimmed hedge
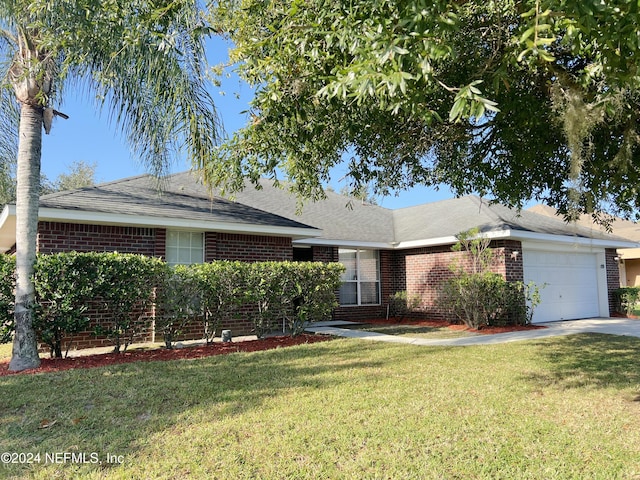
point(127, 288)
point(293, 293)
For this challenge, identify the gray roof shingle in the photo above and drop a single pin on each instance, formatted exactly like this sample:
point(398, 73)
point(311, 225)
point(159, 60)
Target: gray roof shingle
point(447, 218)
point(181, 197)
point(339, 218)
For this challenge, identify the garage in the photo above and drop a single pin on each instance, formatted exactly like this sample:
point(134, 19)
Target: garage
point(570, 281)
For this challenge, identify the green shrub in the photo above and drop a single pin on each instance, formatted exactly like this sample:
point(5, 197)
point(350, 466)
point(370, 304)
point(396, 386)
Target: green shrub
point(401, 304)
point(179, 301)
point(481, 297)
point(315, 286)
point(269, 288)
point(292, 293)
point(127, 284)
point(64, 284)
point(626, 298)
point(7, 297)
point(224, 284)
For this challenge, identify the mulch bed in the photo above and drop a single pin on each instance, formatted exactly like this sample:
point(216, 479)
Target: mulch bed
point(161, 354)
point(201, 351)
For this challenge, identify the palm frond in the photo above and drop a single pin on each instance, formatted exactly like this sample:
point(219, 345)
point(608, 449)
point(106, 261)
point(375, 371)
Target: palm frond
point(155, 86)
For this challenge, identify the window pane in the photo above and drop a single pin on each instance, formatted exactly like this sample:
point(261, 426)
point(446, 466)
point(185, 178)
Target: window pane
point(184, 247)
point(196, 240)
point(369, 293)
point(172, 255)
point(348, 259)
point(172, 238)
point(184, 239)
point(349, 294)
point(368, 265)
point(184, 256)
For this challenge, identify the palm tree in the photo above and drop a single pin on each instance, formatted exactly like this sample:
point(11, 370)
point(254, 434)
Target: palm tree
point(141, 60)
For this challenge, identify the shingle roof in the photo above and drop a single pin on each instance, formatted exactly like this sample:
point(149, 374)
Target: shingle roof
point(339, 218)
point(619, 227)
point(181, 197)
point(447, 218)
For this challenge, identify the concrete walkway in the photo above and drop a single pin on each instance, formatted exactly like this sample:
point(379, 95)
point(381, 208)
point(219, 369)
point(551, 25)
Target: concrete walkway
point(612, 326)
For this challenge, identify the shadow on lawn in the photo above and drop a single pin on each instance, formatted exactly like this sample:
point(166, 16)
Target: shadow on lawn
point(590, 360)
point(114, 409)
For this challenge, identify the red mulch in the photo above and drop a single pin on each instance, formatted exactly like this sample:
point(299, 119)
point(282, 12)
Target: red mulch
point(437, 323)
point(161, 354)
point(201, 351)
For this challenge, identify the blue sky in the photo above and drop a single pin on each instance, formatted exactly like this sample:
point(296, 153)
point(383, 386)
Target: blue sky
point(87, 136)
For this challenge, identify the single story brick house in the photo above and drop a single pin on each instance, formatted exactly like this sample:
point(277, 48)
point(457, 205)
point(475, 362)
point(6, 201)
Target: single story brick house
point(384, 250)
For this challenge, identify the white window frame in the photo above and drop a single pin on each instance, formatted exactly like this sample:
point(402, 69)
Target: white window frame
point(196, 254)
point(358, 280)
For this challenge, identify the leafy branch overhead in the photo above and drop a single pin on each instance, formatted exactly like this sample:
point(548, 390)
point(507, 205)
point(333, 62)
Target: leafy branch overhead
point(469, 94)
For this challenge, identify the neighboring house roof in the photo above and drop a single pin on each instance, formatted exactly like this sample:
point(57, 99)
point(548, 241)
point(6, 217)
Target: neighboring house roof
point(336, 220)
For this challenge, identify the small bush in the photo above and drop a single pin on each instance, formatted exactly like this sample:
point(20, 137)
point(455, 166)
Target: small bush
point(626, 299)
point(292, 293)
point(401, 304)
point(315, 285)
point(488, 299)
point(481, 297)
point(225, 290)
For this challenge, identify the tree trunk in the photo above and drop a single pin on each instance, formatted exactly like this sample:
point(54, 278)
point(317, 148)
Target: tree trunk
point(25, 347)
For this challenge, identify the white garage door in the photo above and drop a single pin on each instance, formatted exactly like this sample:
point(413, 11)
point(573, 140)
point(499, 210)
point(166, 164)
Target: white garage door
point(571, 289)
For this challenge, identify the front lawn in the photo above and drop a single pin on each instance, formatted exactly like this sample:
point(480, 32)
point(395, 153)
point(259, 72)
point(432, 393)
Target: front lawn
point(565, 407)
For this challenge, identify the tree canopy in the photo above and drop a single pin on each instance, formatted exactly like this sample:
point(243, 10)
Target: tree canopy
point(516, 99)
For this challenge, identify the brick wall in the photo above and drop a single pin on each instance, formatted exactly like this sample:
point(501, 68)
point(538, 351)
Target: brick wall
point(253, 248)
point(325, 254)
point(423, 271)
point(55, 237)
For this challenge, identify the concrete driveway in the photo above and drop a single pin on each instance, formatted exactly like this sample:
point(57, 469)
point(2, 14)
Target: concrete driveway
point(611, 326)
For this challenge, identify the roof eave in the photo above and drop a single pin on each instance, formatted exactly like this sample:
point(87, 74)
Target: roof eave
point(522, 235)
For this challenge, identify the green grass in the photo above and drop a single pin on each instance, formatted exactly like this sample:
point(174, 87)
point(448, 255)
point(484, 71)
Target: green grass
point(416, 331)
point(560, 408)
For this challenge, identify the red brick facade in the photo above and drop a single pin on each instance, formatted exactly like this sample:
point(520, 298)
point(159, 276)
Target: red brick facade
point(54, 237)
point(418, 271)
point(422, 271)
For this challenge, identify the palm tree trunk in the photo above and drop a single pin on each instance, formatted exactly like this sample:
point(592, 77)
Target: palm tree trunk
point(25, 347)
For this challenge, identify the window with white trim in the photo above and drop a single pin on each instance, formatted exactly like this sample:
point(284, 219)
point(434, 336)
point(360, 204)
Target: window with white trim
point(361, 279)
point(184, 248)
